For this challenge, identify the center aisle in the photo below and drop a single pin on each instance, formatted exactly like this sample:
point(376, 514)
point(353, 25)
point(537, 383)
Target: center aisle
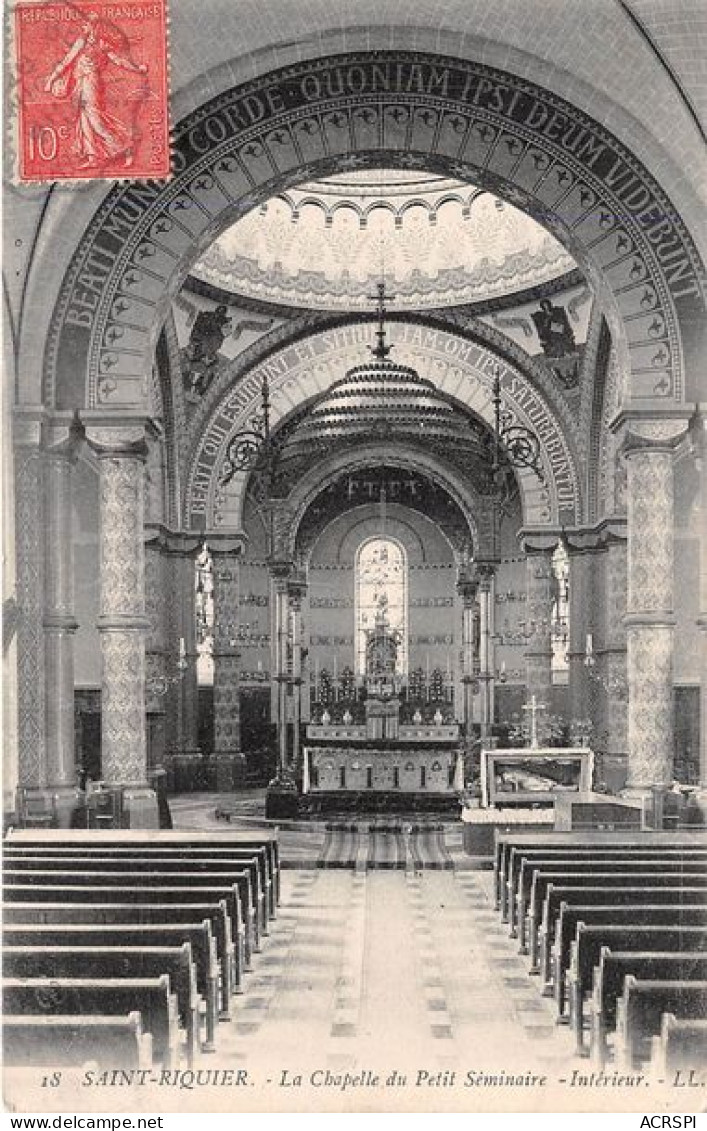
point(388, 971)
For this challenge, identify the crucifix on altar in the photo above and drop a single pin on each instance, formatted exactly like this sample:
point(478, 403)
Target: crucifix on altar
point(532, 708)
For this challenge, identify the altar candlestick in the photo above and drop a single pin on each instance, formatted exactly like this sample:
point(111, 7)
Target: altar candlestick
point(182, 648)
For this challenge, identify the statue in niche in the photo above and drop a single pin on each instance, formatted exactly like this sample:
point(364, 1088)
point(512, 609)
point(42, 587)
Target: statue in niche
point(556, 337)
point(205, 341)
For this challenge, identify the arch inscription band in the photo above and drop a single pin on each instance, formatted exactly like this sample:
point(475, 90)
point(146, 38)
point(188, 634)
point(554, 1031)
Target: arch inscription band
point(403, 109)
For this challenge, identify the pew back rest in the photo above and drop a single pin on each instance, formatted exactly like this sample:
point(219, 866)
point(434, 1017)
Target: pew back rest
point(641, 1007)
point(110, 1042)
point(104, 997)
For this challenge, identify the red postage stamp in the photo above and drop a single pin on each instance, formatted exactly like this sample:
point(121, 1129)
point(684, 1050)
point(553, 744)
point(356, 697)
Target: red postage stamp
point(92, 90)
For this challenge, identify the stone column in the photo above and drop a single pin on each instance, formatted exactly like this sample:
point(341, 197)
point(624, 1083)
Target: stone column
point(486, 658)
point(122, 450)
point(648, 448)
point(30, 567)
point(62, 443)
point(539, 585)
point(612, 654)
point(467, 587)
point(182, 700)
point(225, 552)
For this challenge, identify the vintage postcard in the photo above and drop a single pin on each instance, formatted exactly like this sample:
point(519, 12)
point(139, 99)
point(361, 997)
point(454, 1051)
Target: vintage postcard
point(354, 557)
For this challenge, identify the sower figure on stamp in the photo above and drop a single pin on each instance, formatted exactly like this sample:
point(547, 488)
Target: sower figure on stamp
point(100, 136)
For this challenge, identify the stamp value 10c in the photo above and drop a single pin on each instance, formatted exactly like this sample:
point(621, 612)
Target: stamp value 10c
point(92, 90)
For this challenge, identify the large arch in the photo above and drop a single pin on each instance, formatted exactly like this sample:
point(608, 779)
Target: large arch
point(463, 370)
point(450, 116)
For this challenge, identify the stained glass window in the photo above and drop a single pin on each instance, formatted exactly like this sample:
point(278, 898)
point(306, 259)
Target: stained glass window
point(381, 587)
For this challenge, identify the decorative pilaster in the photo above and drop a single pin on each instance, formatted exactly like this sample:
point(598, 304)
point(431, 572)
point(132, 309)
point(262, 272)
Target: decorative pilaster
point(30, 566)
point(61, 451)
point(225, 552)
point(539, 587)
point(648, 448)
point(612, 658)
point(582, 563)
point(122, 450)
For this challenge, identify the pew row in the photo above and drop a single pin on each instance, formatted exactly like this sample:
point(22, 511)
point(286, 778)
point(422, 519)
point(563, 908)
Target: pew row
point(140, 896)
point(594, 842)
point(141, 915)
point(184, 840)
point(236, 882)
point(133, 938)
point(116, 962)
point(147, 862)
point(672, 907)
point(640, 1009)
point(609, 977)
point(681, 1046)
point(587, 947)
point(103, 997)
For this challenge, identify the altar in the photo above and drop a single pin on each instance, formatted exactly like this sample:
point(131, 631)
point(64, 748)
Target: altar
point(383, 763)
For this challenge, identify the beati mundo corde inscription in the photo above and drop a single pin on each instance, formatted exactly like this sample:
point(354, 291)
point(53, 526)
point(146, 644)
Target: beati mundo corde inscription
point(315, 118)
point(92, 90)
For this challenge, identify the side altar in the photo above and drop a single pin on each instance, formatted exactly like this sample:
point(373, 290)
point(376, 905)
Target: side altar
point(534, 787)
point(383, 763)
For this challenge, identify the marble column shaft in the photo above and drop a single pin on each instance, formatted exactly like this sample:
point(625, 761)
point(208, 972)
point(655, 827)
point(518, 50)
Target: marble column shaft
point(650, 618)
point(698, 433)
point(612, 656)
point(122, 623)
point(59, 620)
point(227, 711)
point(281, 673)
point(157, 593)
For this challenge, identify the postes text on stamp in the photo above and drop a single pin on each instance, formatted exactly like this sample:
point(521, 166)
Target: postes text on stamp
point(92, 90)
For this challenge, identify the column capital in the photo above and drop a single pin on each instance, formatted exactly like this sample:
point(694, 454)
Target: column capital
point(111, 436)
point(232, 543)
point(641, 431)
point(539, 541)
point(588, 539)
point(467, 588)
point(62, 437)
point(281, 569)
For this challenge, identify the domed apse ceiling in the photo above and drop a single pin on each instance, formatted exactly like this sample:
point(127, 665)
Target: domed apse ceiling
point(436, 241)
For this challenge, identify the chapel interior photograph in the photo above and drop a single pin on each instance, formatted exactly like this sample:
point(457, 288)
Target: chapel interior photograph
point(354, 566)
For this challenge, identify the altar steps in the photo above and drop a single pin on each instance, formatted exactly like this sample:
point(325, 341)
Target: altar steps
point(370, 846)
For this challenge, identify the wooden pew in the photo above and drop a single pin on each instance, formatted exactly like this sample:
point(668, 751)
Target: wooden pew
point(143, 915)
point(595, 841)
point(182, 839)
point(681, 1046)
point(120, 876)
point(255, 861)
point(116, 962)
point(198, 935)
point(103, 997)
point(54, 888)
point(519, 855)
point(640, 1009)
point(50, 1042)
point(631, 906)
point(608, 986)
point(608, 880)
point(530, 869)
point(587, 947)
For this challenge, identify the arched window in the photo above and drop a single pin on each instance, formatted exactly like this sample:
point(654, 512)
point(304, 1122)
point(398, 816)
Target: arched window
point(381, 586)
